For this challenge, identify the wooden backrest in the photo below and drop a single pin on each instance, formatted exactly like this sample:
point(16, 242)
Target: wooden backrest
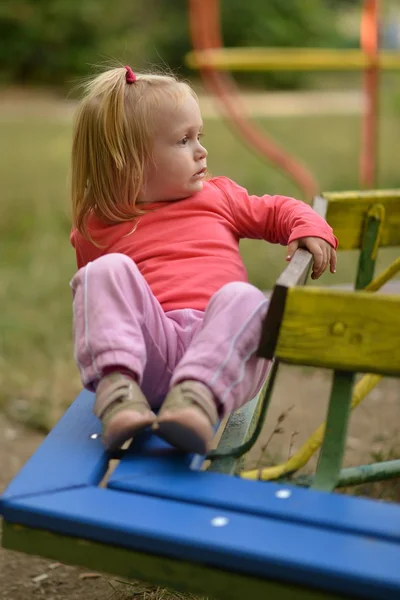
point(337, 329)
point(346, 213)
point(354, 331)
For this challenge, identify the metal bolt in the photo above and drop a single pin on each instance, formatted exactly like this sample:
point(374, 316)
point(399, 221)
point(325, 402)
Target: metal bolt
point(283, 494)
point(219, 521)
point(94, 436)
point(338, 328)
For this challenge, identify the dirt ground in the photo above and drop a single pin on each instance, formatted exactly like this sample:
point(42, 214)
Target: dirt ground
point(374, 430)
point(18, 572)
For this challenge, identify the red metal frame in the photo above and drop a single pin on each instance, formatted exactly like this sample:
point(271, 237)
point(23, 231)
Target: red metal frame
point(370, 44)
point(205, 32)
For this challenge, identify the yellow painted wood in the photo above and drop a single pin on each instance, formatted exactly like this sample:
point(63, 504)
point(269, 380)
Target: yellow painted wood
point(293, 59)
point(353, 331)
point(347, 212)
point(384, 277)
point(159, 570)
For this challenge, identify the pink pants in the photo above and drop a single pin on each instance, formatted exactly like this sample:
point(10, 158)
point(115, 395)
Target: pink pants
point(118, 321)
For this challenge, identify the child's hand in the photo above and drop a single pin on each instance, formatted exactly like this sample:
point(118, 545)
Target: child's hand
point(322, 252)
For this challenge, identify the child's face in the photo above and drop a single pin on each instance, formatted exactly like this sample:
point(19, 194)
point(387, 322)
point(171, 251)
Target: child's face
point(179, 160)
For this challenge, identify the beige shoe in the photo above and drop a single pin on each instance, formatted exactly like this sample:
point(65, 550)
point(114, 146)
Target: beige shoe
point(122, 408)
point(188, 417)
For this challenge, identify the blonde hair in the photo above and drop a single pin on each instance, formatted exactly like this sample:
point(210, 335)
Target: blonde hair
point(112, 141)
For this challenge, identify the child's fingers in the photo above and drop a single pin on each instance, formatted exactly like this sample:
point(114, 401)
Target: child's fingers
point(291, 249)
point(333, 261)
point(320, 260)
point(323, 255)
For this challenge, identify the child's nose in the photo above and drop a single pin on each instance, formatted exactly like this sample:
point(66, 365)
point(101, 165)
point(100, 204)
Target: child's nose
point(201, 152)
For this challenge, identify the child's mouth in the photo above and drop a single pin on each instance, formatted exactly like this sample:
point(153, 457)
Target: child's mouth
point(200, 173)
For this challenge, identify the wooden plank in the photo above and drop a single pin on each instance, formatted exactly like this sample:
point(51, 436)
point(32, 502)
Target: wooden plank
point(253, 546)
point(369, 246)
point(351, 331)
point(68, 457)
point(295, 274)
point(159, 570)
point(333, 447)
point(347, 213)
point(335, 512)
point(292, 59)
point(388, 469)
point(239, 429)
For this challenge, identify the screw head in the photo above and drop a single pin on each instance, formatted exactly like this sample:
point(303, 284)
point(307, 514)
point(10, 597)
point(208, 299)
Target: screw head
point(219, 521)
point(283, 494)
point(338, 328)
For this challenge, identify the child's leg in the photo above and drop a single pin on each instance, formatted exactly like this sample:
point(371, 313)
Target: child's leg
point(118, 325)
point(222, 354)
point(118, 322)
point(219, 368)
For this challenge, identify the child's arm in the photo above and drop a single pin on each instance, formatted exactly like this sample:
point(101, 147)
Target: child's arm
point(282, 220)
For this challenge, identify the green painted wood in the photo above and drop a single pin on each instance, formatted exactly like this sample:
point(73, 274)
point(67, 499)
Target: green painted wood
point(368, 473)
point(367, 259)
point(242, 430)
point(331, 456)
point(358, 475)
point(179, 575)
point(227, 457)
point(294, 275)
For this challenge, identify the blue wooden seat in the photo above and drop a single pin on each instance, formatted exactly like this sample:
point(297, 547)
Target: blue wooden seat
point(163, 519)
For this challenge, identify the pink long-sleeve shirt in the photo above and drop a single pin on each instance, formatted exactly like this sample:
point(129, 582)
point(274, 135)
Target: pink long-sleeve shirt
point(187, 249)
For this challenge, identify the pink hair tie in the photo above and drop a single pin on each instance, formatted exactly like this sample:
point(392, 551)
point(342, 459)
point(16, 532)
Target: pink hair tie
point(130, 75)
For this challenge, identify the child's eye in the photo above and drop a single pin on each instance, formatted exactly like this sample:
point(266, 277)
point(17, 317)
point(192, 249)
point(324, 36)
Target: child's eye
point(201, 135)
point(184, 140)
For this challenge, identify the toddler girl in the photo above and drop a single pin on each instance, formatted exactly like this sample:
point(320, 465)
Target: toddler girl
point(163, 312)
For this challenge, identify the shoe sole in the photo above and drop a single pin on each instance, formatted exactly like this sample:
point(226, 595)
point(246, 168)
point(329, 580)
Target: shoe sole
point(181, 438)
point(124, 427)
point(177, 430)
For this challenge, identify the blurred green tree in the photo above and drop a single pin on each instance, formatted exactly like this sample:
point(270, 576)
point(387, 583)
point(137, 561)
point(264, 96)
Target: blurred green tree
point(52, 40)
point(45, 40)
point(289, 23)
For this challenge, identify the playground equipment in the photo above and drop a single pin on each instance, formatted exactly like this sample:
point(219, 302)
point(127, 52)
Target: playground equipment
point(214, 61)
point(366, 221)
point(159, 517)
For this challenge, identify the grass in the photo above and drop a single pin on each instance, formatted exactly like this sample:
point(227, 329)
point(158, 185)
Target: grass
point(38, 378)
point(141, 591)
point(37, 373)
